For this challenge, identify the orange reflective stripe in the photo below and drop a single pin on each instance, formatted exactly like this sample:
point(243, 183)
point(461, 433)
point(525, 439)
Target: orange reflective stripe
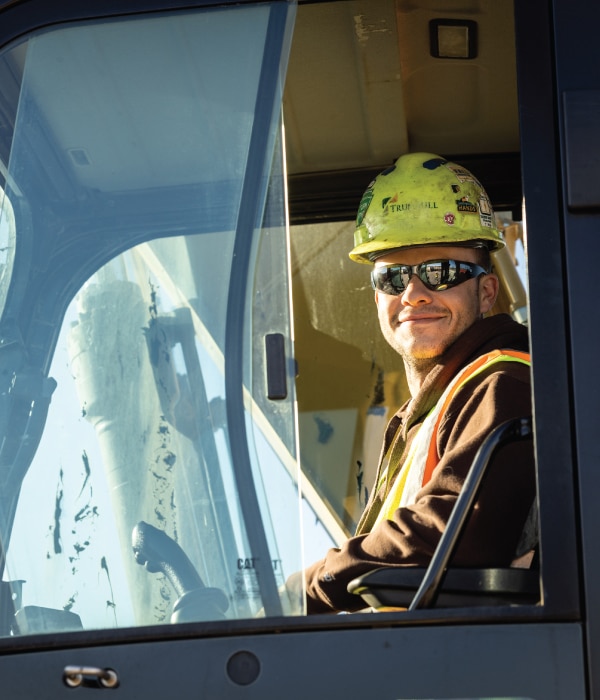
point(469, 372)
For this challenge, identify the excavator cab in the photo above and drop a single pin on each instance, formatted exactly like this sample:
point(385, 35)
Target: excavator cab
point(193, 385)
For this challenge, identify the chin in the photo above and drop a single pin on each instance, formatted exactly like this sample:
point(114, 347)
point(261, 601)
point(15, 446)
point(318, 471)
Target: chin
point(420, 353)
point(423, 349)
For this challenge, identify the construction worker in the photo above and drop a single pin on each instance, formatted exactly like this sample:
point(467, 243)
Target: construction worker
point(427, 227)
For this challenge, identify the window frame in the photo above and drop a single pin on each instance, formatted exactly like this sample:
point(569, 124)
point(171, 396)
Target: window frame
point(540, 159)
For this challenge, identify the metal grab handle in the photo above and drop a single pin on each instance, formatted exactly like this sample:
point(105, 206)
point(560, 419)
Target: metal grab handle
point(76, 676)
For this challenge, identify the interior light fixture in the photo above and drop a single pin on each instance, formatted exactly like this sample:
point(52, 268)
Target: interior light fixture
point(453, 38)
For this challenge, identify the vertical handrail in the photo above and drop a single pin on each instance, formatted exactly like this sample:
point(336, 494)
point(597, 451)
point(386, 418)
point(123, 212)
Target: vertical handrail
point(509, 431)
point(251, 208)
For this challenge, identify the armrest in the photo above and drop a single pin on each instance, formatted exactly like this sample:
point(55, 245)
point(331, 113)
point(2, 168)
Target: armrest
point(396, 587)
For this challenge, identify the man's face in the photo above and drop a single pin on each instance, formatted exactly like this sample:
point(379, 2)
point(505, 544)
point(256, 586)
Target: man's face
point(421, 324)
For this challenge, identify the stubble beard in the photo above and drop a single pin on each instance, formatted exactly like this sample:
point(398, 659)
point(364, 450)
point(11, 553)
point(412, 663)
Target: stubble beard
point(419, 362)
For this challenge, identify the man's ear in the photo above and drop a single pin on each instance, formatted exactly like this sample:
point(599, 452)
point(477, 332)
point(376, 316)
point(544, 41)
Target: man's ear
point(489, 286)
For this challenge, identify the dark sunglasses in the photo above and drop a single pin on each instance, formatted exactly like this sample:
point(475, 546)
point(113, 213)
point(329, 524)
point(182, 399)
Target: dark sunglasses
point(436, 275)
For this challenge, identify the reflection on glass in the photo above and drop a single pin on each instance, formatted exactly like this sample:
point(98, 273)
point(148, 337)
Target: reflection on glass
point(131, 511)
point(7, 246)
point(137, 433)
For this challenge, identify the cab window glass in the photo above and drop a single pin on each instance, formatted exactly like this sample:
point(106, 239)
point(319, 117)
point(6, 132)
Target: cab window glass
point(148, 455)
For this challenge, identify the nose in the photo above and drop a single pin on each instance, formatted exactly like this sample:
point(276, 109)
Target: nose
point(416, 293)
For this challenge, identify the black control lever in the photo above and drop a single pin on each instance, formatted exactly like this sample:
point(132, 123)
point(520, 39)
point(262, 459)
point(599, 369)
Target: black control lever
point(158, 552)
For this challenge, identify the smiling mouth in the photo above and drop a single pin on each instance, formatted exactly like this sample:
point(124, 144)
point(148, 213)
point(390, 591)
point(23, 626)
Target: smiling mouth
point(419, 319)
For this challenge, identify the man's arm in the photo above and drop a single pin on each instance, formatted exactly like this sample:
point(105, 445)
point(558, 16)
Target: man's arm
point(409, 539)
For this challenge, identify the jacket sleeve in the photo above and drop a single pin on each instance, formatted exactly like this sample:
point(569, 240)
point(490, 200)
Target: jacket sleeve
point(409, 539)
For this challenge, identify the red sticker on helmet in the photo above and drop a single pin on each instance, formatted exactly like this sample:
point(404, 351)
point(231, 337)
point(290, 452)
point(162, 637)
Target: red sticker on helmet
point(449, 218)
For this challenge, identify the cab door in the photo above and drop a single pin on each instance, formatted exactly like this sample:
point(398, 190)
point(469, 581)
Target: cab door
point(148, 451)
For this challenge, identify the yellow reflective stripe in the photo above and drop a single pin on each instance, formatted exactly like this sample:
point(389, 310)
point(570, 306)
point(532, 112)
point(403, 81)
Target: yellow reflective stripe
point(392, 500)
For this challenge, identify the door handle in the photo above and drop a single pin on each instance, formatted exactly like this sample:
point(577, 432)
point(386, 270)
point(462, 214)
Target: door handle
point(76, 676)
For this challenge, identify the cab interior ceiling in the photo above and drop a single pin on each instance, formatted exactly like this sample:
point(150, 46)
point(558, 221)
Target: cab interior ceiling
point(363, 87)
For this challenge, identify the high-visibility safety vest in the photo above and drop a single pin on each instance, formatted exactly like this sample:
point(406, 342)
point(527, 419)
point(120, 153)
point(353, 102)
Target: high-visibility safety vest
point(423, 455)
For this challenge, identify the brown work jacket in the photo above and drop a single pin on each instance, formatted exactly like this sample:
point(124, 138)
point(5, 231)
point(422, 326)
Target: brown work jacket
point(495, 526)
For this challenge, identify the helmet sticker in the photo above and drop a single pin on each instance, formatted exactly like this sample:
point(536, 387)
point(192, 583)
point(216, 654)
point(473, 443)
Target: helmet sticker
point(449, 218)
point(462, 174)
point(367, 198)
point(434, 163)
point(486, 213)
point(388, 200)
point(465, 207)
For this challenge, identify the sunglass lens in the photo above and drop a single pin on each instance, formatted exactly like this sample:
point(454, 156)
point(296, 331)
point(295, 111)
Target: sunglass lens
point(399, 278)
point(436, 275)
point(433, 274)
